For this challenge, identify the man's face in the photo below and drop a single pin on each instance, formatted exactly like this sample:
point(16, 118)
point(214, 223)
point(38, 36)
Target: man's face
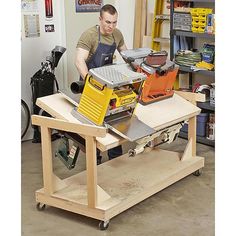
point(108, 23)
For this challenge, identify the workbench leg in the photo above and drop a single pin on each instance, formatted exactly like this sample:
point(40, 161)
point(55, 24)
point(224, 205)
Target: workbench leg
point(91, 163)
point(192, 133)
point(47, 160)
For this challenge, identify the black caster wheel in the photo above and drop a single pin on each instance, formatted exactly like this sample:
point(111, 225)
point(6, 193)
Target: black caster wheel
point(103, 225)
point(197, 172)
point(40, 206)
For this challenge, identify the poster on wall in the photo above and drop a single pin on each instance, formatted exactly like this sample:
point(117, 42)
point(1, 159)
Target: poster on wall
point(31, 25)
point(29, 5)
point(49, 28)
point(88, 5)
point(48, 9)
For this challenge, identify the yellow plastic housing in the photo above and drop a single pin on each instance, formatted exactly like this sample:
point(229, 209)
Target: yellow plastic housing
point(94, 101)
point(123, 97)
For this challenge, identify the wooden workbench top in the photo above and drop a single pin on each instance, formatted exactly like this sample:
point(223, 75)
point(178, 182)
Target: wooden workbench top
point(157, 115)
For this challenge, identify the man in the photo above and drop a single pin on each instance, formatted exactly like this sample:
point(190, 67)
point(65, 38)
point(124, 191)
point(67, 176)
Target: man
point(96, 48)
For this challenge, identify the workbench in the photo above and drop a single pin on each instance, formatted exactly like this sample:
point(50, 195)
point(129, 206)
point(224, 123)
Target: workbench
point(104, 191)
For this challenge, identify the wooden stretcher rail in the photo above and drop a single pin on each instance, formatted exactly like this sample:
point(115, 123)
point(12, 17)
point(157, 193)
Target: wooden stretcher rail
point(84, 129)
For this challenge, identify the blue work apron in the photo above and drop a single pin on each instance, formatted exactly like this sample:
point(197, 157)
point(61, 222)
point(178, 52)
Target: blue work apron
point(103, 54)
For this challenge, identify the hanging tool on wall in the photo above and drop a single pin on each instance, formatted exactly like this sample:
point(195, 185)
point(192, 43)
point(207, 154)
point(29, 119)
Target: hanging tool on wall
point(43, 82)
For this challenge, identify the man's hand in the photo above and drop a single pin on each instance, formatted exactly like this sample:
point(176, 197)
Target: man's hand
point(81, 57)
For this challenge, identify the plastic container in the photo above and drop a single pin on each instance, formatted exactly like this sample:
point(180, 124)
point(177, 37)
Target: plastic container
point(198, 29)
point(202, 119)
point(201, 29)
point(182, 26)
point(199, 23)
point(203, 12)
point(199, 19)
point(182, 21)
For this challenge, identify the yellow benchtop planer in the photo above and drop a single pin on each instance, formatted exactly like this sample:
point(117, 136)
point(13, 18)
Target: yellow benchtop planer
point(110, 92)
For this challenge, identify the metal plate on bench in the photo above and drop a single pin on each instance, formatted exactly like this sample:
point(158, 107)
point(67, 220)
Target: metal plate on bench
point(80, 117)
point(130, 128)
point(69, 96)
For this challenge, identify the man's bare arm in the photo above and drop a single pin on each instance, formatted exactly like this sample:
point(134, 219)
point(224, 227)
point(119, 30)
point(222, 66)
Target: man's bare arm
point(81, 57)
point(122, 48)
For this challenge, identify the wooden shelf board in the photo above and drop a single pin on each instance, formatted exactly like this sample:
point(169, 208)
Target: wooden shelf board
point(126, 180)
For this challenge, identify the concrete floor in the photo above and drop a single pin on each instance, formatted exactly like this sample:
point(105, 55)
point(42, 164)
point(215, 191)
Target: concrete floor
point(186, 208)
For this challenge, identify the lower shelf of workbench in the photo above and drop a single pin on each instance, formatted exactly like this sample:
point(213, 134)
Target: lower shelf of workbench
point(122, 183)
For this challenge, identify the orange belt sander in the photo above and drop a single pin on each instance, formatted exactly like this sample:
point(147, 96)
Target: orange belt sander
point(159, 84)
point(161, 73)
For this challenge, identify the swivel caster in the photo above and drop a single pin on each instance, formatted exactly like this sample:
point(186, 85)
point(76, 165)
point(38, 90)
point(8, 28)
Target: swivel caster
point(40, 206)
point(197, 172)
point(103, 225)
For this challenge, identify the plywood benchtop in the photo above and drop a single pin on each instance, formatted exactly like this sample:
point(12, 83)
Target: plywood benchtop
point(157, 115)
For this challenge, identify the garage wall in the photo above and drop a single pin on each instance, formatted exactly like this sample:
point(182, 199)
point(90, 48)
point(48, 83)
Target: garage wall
point(126, 11)
point(126, 20)
point(34, 50)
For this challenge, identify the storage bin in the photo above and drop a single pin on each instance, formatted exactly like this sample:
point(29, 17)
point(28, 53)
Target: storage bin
point(178, 17)
point(199, 19)
point(199, 23)
point(202, 12)
point(182, 21)
point(202, 119)
point(182, 26)
point(198, 29)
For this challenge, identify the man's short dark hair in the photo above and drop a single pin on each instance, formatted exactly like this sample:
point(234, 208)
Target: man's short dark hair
point(108, 8)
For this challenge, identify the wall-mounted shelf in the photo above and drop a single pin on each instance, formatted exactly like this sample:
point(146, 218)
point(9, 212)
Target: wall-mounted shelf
point(203, 72)
point(192, 35)
point(188, 34)
point(191, 38)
